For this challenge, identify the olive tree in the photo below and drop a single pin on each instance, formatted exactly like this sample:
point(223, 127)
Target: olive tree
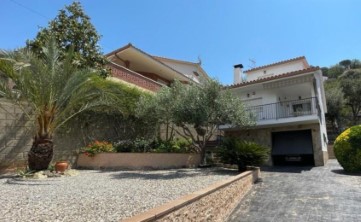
point(350, 82)
point(196, 111)
point(335, 102)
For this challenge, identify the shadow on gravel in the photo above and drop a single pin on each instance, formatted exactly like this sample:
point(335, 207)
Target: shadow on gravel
point(343, 172)
point(30, 182)
point(172, 174)
point(286, 169)
point(7, 176)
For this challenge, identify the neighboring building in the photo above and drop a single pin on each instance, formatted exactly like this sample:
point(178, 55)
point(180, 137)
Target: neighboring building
point(133, 66)
point(287, 99)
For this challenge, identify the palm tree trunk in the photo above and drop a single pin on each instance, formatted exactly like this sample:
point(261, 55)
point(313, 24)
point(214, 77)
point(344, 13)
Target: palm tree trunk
point(40, 154)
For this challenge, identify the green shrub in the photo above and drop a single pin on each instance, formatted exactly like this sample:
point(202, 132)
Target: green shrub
point(184, 145)
point(142, 145)
point(347, 148)
point(242, 153)
point(97, 147)
point(178, 145)
point(124, 146)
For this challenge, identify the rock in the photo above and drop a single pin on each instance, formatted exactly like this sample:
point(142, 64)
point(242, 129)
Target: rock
point(39, 175)
point(71, 173)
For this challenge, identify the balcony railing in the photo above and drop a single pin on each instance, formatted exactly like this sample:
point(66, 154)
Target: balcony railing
point(286, 109)
point(134, 77)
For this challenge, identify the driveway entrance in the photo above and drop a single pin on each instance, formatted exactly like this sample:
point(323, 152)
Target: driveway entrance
point(302, 194)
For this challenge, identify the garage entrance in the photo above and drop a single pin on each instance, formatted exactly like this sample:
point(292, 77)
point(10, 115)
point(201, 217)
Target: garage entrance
point(292, 148)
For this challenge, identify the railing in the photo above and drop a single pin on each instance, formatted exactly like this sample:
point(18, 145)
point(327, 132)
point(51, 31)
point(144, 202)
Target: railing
point(134, 78)
point(286, 109)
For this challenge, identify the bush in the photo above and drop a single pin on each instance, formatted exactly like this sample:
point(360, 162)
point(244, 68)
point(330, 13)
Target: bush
point(173, 146)
point(347, 148)
point(184, 145)
point(124, 146)
point(242, 153)
point(142, 145)
point(97, 147)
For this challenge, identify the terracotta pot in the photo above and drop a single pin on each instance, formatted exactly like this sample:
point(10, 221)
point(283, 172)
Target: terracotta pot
point(61, 166)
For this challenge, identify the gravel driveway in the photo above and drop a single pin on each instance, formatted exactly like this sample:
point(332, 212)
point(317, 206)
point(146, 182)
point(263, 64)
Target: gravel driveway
point(99, 195)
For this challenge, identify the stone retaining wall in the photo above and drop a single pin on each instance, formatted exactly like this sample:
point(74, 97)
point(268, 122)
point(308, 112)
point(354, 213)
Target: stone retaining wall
point(213, 203)
point(16, 136)
point(139, 161)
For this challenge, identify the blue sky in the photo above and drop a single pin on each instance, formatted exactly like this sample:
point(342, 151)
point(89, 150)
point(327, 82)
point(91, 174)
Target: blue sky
point(221, 32)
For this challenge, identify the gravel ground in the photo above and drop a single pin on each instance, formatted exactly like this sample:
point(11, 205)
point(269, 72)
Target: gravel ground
point(99, 195)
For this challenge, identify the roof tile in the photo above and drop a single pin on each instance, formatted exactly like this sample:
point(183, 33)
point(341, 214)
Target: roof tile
point(279, 76)
point(276, 63)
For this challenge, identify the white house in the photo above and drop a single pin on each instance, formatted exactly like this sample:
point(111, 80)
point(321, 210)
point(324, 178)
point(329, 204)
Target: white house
point(287, 100)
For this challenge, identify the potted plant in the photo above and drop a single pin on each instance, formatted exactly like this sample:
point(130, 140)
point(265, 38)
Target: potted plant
point(61, 166)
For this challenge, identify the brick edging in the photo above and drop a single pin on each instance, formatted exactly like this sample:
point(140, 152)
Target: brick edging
point(177, 204)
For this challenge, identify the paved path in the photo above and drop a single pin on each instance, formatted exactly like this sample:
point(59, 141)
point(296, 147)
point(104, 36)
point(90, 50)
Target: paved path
point(303, 194)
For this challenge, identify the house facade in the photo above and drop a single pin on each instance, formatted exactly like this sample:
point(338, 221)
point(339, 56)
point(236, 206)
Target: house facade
point(287, 101)
point(140, 69)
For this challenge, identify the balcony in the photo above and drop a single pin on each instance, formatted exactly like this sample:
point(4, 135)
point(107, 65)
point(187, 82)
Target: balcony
point(134, 78)
point(285, 109)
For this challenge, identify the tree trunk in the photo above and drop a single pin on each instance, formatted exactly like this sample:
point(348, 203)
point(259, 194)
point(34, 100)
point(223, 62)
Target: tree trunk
point(40, 154)
point(241, 167)
point(203, 155)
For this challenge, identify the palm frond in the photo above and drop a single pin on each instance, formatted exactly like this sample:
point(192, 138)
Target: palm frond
point(56, 90)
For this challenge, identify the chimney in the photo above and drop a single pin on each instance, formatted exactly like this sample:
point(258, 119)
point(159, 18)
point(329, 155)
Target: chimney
point(237, 75)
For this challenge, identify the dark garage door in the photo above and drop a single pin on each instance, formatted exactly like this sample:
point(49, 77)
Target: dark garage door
point(292, 148)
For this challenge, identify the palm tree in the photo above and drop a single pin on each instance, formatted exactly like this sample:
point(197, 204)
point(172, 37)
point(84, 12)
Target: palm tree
point(51, 92)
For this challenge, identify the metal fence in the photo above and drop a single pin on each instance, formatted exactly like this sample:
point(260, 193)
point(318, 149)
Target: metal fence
point(285, 109)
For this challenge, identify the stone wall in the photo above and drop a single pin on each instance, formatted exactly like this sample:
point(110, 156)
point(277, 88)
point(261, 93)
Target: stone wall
point(264, 136)
point(213, 203)
point(17, 131)
point(15, 136)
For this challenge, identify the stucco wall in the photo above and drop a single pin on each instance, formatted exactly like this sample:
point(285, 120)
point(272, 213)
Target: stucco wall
point(281, 90)
point(275, 70)
point(139, 160)
point(264, 136)
point(213, 203)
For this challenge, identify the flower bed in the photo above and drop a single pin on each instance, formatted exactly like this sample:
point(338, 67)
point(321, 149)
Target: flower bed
point(139, 160)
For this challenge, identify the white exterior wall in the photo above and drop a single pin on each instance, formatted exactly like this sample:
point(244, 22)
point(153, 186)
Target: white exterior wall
point(320, 97)
point(186, 69)
point(291, 92)
point(275, 70)
point(260, 96)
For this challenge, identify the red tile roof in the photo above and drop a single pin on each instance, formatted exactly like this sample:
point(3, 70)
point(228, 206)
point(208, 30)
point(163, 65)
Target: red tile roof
point(283, 75)
point(277, 63)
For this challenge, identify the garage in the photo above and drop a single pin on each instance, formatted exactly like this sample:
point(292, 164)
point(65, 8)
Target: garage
point(292, 148)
